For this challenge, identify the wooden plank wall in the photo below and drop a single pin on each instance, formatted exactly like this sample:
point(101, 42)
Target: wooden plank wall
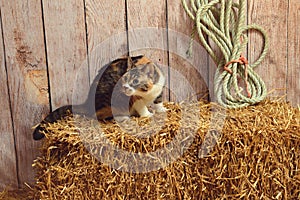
point(274, 69)
point(293, 49)
point(50, 51)
point(7, 150)
point(26, 72)
point(65, 39)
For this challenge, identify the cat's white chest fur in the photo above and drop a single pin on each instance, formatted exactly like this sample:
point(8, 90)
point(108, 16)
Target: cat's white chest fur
point(147, 98)
point(154, 92)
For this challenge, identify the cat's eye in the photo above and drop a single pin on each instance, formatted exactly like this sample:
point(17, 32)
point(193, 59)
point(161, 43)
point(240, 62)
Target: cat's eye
point(135, 81)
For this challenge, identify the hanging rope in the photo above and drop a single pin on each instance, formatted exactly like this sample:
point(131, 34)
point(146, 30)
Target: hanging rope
point(223, 22)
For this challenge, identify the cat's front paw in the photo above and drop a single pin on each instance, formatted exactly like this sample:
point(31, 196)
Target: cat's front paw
point(121, 118)
point(146, 114)
point(160, 108)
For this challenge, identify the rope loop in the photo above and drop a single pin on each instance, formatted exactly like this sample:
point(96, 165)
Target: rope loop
point(221, 23)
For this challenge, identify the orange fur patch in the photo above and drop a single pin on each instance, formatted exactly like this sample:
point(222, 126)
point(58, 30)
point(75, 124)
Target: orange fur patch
point(104, 113)
point(134, 99)
point(150, 85)
point(114, 67)
point(142, 61)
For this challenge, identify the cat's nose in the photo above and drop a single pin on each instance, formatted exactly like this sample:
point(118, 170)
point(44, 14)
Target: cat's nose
point(127, 89)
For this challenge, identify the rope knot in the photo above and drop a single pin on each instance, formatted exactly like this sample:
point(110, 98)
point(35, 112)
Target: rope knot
point(243, 61)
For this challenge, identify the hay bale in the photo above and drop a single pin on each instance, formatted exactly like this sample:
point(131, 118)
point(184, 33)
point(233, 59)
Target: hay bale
point(257, 156)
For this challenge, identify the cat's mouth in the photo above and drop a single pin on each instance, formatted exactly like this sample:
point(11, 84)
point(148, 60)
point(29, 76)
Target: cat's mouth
point(128, 93)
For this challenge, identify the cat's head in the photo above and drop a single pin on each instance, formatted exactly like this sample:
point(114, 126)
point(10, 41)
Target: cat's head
point(140, 78)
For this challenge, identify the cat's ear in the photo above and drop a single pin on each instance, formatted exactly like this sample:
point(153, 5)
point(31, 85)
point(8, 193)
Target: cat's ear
point(149, 70)
point(130, 63)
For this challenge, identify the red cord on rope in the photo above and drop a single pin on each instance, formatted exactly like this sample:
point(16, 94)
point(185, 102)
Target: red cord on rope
point(243, 61)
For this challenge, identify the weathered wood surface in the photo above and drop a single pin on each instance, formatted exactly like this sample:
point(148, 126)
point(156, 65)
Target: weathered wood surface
point(293, 60)
point(66, 51)
point(65, 43)
point(272, 15)
point(8, 161)
point(27, 80)
point(106, 31)
point(188, 75)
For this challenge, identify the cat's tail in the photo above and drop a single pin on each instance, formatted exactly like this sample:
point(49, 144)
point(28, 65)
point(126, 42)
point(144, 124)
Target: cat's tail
point(54, 116)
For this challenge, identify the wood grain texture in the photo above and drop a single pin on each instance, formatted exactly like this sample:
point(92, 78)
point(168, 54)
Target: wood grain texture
point(106, 28)
point(27, 77)
point(272, 15)
point(8, 160)
point(147, 33)
point(293, 76)
point(188, 76)
point(147, 28)
point(66, 51)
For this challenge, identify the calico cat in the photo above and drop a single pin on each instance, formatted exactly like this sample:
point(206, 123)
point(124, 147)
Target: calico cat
point(122, 88)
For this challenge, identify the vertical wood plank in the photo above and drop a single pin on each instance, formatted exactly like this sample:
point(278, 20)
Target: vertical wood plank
point(272, 15)
point(194, 69)
point(27, 76)
point(66, 51)
point(147, 33)
point(293, 78)
point(8, 164)
point(106, 28)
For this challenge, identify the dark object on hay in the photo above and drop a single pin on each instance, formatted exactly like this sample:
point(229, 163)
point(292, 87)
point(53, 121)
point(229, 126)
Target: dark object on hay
point(21, 194)
point(257, 156)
